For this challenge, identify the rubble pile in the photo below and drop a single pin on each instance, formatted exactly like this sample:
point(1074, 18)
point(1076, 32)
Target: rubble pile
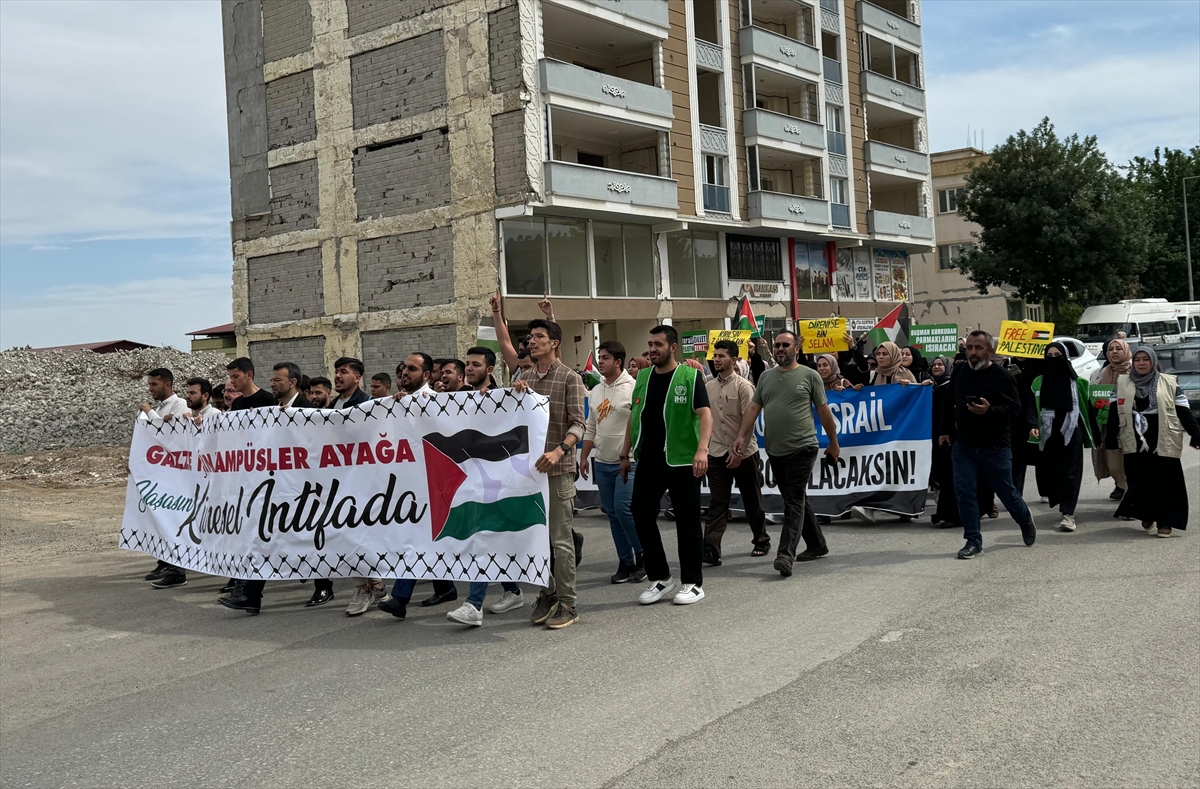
point(56, 399)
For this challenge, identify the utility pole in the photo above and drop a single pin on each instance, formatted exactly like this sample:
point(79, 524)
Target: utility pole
point(1187, 237)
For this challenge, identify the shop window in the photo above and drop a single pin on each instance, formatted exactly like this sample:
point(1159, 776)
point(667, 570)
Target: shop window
point(753, 258)
point(694, 265)
point(812, 271)
point(624, 259)
point(890, 275)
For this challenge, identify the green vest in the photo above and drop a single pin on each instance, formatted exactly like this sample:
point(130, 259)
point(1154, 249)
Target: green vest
point(1085, 408)
point(683, 426)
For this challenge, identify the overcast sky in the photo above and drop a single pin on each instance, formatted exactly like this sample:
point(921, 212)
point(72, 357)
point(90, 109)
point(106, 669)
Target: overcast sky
point(114, 193)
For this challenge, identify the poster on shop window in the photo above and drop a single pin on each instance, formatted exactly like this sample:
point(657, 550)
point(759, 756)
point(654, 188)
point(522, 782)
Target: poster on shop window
point(886, 439)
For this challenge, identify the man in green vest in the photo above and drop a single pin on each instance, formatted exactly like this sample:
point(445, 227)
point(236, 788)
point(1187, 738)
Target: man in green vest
point(669, 427)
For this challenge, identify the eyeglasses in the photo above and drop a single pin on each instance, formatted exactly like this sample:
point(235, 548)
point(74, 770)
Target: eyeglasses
point(783, 345)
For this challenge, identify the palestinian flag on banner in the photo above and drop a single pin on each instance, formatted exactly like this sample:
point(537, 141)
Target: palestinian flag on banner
point(591, 376)
point(744, 320)
point(1041, 335)
point(893, 327)
point(466, 491)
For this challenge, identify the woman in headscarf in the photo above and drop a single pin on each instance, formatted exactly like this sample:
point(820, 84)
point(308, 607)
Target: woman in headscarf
point(888, 367)
point(1147, 419)
point(1110, 462)
point(914, 361)
point(942, 472)
point(1064, 427)
point(831, 373)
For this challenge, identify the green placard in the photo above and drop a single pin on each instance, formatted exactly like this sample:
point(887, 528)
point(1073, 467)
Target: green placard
point(935, 339)
point(760, 321)
point(695, 344)
point(1100, 396)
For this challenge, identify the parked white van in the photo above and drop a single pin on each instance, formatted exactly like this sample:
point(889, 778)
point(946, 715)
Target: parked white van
point(1187, 313)
point(1144, 321)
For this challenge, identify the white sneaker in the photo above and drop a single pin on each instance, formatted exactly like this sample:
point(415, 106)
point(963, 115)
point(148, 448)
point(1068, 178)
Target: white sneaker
point(688, 594)
point(363, 600)
point(657, 591)
point(864, 514)
point(466, 614)
point(1067, 523)
point(511, 601)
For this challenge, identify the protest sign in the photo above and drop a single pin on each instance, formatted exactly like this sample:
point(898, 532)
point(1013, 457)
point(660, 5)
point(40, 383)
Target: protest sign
point(740, 336)
point(1028, 340)
point(935, 339)
point(437, 486)
point(1101, 396)
point(695, 344)
point(823, 335)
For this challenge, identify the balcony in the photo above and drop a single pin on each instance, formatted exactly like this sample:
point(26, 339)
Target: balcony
point(716, 198)
point(888, 23)
point(892, 93)
point(567, 183)
point(650, 16)
point(895, 162)
point(779, 207)
point(709, 56)
point(901, 227)
point(831, 16)
point(568, 85)
point(779, 52)
point(714, 140)
point(772, 129)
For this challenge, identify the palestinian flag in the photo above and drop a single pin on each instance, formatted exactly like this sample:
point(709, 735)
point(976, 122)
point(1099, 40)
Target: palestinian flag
point(893, 327)
point(744, 320)
point(1041, 335)
point(466, 485)
point(591, 376)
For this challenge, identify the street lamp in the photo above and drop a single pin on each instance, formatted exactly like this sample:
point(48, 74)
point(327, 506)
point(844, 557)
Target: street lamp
point(1187, 237)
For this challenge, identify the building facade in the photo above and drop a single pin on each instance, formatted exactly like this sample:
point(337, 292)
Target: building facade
point(639, 161)
point(940, 293)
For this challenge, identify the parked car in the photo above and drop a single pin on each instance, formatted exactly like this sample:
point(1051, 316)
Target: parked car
point(1084, 361)
point(1182, 359)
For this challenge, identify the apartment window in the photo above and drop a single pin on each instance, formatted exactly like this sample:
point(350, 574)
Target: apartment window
point(948, 199)
point(891, 61)
point(624, 256)
point(693, 260)
point(948, 255)
point(1015, 308)
point(753, 258)
point(1033, 312)
point(835, 131)
point(550, 255)
point(837, 191)
point(716, 192)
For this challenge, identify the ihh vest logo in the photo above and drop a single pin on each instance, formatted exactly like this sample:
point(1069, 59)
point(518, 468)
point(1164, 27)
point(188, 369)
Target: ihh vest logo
point(681, 394)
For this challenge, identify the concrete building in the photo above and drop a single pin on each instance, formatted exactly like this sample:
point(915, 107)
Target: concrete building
point(640, 161)
point(940, 294)
point(221, 338)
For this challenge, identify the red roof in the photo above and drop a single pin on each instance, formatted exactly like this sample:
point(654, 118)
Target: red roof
point(108, 346)
point(224, 328)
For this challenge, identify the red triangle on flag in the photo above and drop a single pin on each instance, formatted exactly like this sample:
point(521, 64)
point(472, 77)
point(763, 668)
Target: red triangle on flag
point(890, 320)
point(444, 478)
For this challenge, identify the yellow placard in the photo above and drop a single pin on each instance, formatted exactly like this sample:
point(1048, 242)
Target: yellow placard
point(823, 335)
point(740, 336)
point(1026, 340)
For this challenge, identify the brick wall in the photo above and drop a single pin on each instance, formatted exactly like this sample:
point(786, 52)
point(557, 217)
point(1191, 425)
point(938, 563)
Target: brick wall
point(409, 270)
point(403, 177)
point(504, 49)
point(286, 286)
point(383, 350)
point(398, 81)
point(293, 204)
point(508, 136)
point(291, 118)
point(287, 28)
point(308, 352)
point(368, 15)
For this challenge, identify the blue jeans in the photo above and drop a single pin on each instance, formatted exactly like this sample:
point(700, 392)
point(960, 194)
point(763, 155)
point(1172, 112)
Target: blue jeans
point(996, 465)
point(403, 588)
point(615, 499)
point(479, 591)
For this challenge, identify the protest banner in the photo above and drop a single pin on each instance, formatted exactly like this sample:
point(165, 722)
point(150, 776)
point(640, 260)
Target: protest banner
point(439, 486)
point(695, 344)
point(740, 336)
point(823, 335)
point(1028, 340)
point(1101, 396)
point(935, 339)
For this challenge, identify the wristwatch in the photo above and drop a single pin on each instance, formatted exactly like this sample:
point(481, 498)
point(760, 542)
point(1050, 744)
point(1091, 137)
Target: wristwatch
point(564, 446)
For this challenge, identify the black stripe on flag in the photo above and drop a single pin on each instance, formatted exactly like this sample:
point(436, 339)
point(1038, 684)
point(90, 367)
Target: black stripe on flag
point(467, 444)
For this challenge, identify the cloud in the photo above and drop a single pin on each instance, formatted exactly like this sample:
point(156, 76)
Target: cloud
point(47, 248)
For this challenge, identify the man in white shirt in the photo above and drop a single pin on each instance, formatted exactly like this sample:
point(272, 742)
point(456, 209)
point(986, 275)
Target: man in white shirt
point(167, 405)
point(608, 416)
point(198, 397)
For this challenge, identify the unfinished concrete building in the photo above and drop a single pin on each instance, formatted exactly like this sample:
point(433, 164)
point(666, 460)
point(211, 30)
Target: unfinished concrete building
point(394, 161)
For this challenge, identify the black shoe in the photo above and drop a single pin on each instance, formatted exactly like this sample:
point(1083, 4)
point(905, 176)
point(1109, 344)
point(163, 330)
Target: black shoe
point(623, 574)
point(172, 579)
point(397, 608)
point(970, 551)
point(438, 599)
point(812, 553)
point(824, 520)
point(239, 602)
point(319, 597)
point(1116, 494)
point(158, 572)
point(711, 556)
point(638, 573)
point(578, 538)
point(231, 585)
point(783, 566)
point(994, 512)
point(1029, 532)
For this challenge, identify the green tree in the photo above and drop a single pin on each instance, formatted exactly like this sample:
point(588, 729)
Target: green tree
point(1161, 182)
point(1058, 223)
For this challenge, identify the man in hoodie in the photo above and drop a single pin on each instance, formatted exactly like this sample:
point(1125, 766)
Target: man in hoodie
point(608, 416)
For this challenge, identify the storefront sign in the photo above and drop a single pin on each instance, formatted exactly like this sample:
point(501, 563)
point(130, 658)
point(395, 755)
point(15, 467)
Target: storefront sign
point(1028, 340)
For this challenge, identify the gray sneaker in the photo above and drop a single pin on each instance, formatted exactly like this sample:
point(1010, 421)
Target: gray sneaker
point(364, 598)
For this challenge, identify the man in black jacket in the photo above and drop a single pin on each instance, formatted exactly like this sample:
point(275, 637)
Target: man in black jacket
point(983, 403)
point(347, 375)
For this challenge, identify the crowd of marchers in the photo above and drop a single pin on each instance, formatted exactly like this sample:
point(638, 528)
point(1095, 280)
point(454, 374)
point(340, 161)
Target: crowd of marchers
point(654, 425)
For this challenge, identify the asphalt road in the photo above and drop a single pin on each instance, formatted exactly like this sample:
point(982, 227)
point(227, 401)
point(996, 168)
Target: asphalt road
point(889, 663)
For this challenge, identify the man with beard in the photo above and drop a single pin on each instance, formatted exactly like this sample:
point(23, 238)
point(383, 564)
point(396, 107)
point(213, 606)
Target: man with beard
point(320, 391)
point(285, 385)
point(454, 373)
point(983, 403)
point(199, 395)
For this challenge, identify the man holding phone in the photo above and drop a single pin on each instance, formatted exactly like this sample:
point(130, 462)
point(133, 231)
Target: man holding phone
point(786, 395)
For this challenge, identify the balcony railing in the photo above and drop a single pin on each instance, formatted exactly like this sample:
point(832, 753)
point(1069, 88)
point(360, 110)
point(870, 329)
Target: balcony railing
point(894, 157)
point(877, 85)
point(831, 16)
point(885, 223)
point(780, 207)
point(716, 198)
point(583, 87)
point(772, 127)
point(581, 181)
point(833, 70)
point(714, 139)
point(885, 21)
point(836, 142)
point(839, 215)
point(710, 56)
point(783, 53)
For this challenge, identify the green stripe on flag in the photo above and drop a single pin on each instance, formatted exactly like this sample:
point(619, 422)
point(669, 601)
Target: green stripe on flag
point(516, 513)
